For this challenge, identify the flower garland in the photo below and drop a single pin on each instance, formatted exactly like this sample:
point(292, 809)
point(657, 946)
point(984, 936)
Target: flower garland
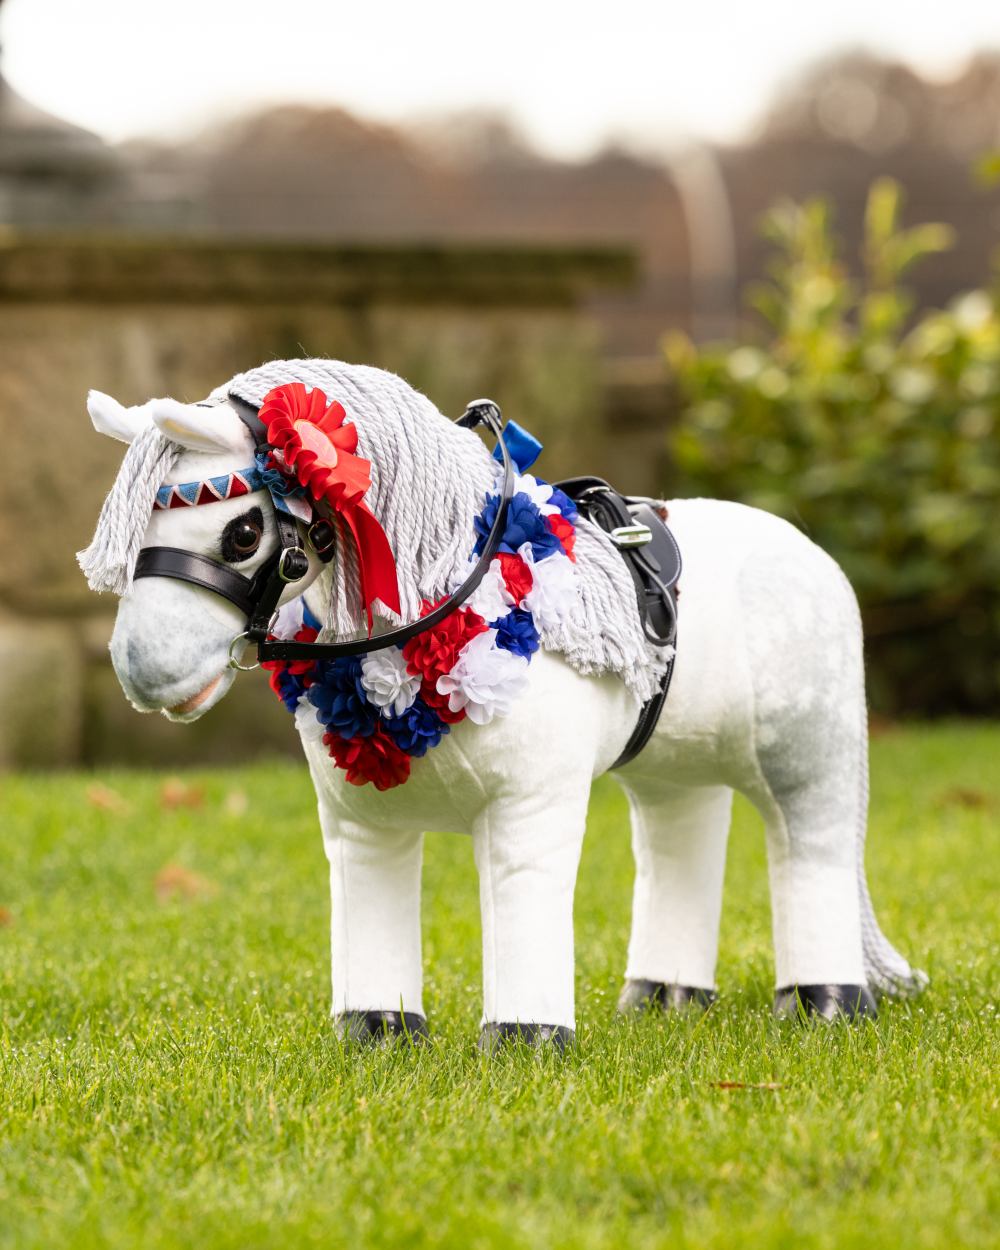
point(382, 710)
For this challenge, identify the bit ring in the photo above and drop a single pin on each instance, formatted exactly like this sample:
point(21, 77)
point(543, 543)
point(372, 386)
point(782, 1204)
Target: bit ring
point(234, 662)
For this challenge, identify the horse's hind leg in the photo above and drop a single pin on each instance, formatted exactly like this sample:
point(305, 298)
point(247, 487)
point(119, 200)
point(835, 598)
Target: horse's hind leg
point(810, 750)
point(815, 902)
point(829, 951)
point(679, 841)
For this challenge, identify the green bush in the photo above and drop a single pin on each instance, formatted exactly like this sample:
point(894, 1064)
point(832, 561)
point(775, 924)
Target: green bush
point(876, 433)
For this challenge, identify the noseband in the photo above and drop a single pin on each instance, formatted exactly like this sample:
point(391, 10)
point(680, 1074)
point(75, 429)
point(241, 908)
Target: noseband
point(257, 597)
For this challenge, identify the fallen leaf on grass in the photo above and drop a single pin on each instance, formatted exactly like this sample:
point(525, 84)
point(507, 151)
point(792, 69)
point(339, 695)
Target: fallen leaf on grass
point(963, 796)
point(236, 803)
point(107, 800)
point(6, 918)
point(174, 881)
point(768, 1085)
point(177, 793)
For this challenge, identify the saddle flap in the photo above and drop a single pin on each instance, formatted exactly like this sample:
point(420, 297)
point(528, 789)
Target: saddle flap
point(661, 554)
point(646, 544)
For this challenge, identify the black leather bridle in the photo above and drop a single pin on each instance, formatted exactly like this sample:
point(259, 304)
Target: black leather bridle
point(257, 597)
point(633, 525)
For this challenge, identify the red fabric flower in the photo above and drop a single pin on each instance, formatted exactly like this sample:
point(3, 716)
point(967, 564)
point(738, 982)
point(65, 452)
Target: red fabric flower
point(564, 530)
point(295, 667)
point(312, 442)
point(516, 575)
point(439, 703)
point(435, 651)
point(374, 759)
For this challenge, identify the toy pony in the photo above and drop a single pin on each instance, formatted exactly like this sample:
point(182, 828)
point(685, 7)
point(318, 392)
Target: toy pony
point(463, 648)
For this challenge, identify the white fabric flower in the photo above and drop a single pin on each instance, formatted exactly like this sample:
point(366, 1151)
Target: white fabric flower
point(310, 727)
point(491, 599)
point(553, 597)
point(390, 685)
point(290, 618)
point(486, 679)
point(538, 492)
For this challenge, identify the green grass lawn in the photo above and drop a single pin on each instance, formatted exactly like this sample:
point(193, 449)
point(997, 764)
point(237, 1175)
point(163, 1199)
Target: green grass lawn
point(168, 1075)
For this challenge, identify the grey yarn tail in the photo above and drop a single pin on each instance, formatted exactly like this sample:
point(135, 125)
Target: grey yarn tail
point(886, 970)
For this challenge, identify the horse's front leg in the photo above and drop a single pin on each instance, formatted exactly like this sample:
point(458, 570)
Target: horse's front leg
point(375, 930)
point(527, 851)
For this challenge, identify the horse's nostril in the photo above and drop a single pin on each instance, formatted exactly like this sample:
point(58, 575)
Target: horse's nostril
point(128, 664)
point(133, 654)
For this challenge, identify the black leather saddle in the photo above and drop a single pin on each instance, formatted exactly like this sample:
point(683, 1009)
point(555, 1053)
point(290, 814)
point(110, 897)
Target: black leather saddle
point(639, 531)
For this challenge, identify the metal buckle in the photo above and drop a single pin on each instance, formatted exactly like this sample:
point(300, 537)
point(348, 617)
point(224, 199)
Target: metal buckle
point(322, 536)
point(234, 662)
point(293, 564)
point(631, 535)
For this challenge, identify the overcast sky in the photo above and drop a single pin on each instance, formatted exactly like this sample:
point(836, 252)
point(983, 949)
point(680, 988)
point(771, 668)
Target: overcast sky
point(652, 72)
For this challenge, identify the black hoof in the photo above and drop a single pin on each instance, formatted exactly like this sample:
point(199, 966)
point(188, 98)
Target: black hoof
point(493, 1036)
point(640, 995)
point(830, 1002)
point(378, 1028)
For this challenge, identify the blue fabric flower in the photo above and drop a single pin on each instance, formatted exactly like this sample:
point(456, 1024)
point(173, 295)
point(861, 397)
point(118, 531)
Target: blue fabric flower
point(525, 524)
point(417, 729)
point(559, 499)
point(516, 632)
point(340, 699)
point(275, 481)
point(289, 687)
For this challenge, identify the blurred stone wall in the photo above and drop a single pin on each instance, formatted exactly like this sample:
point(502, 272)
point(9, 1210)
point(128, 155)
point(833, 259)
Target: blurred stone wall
point(138, 318)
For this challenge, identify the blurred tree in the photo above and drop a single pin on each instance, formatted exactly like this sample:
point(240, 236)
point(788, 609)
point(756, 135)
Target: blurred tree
point(297, 171)
point(876, 434)
point(855, 117)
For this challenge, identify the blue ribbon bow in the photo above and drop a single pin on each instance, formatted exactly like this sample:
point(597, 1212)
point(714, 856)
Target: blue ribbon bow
point(524, 448)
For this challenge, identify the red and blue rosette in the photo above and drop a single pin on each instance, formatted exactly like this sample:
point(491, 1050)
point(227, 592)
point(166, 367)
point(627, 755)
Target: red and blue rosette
point(315, 444)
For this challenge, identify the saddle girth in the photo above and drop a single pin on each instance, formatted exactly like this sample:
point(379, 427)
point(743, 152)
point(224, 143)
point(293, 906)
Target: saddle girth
point(639, 531)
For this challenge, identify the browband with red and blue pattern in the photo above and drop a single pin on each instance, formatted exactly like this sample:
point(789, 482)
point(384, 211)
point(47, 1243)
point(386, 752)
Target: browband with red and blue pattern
point(211, 490)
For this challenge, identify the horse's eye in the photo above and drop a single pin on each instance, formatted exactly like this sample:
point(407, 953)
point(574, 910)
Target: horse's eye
point(246, 538)
point(241, 537)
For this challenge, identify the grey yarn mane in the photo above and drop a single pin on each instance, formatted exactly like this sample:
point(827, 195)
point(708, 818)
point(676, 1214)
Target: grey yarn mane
point(109, 561)
point(430, 479)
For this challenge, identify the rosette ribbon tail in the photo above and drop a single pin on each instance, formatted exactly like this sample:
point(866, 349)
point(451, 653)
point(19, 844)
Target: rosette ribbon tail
point(376, 563)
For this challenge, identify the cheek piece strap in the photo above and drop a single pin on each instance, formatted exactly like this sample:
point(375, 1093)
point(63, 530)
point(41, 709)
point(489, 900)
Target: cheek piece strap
point(257, 597)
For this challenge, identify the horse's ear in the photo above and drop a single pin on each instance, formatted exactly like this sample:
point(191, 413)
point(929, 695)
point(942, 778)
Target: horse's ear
point(114, 419)
point(200, 427)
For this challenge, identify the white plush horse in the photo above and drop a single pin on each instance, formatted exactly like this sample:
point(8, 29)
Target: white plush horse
point(767, 699)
